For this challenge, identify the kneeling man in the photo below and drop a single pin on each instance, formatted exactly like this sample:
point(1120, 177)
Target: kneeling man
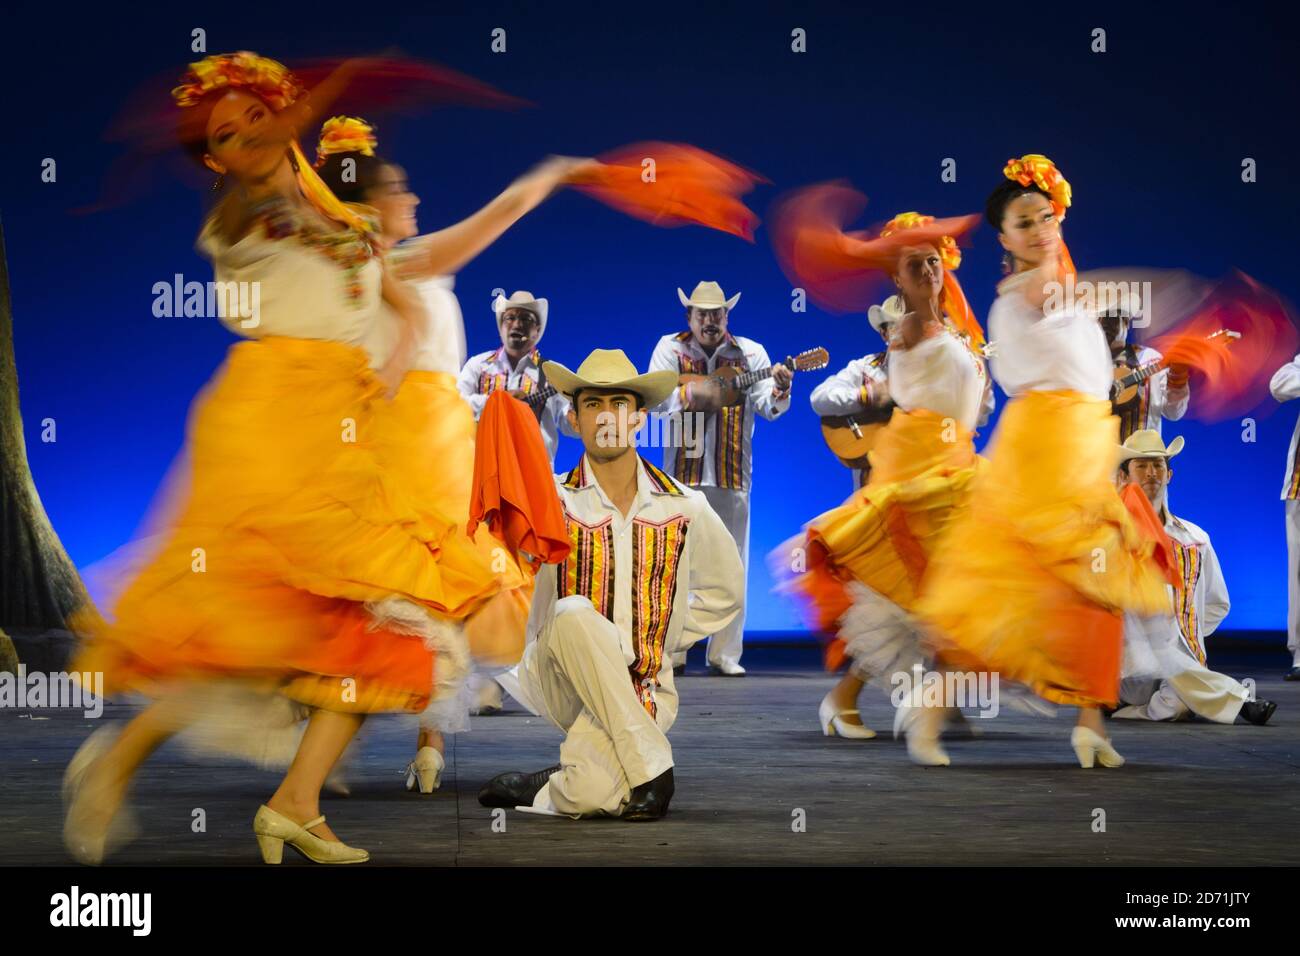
point(652, 570)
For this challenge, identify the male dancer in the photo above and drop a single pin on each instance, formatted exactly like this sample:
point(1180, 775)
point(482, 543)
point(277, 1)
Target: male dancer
point(722, 472)
point(1200, 603)
point(652, 571)
point(1286, 386)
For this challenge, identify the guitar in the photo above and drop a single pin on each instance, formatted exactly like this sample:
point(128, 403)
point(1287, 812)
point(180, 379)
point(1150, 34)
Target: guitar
point(1124, 389)
point(735, 383)
point(850, 437)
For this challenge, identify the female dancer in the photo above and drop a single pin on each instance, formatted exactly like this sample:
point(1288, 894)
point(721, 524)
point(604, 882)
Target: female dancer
point(428, 415)
point(1033, 578)
point(299, 564)
point(867, 559)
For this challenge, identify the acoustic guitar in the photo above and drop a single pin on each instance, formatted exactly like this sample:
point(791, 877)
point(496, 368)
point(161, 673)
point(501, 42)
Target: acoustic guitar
point(850, 437)
point(735, 383)
point(1124, 389)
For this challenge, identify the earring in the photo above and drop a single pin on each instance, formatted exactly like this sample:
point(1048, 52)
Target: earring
point(1008, 263)
point(220, 181)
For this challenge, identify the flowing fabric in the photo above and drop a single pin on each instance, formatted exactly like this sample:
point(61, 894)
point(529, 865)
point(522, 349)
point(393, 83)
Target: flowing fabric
point(847, 271)
point(514, 493)
point(883, 536)
point(690, 186)
point(1033, 578)
point(298, 558)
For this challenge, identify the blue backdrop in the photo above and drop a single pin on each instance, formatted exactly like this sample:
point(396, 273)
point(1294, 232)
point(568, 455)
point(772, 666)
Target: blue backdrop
point(1151, 133)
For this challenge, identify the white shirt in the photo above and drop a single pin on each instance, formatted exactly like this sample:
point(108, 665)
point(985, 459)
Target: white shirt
point(667, 574)
point(489, 371)
point(1035, 351)
point(852, 388)
point(942, 375)
point(1201, 602)
point(1155, 400)
point(1285, 385)
point(311, 284)
point(727, 461)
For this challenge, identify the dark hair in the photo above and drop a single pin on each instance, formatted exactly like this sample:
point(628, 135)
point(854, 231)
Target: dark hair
point(995, 207)
point(640, 401)
point(368, 170)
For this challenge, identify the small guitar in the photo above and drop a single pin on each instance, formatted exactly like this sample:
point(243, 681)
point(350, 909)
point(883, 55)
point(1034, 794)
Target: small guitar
point(1124, 389)
point(850, 437)
point(735, 383)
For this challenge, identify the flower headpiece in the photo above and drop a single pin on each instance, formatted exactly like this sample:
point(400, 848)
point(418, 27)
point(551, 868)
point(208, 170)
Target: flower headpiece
point(948, 250)
point(269, 79)
point(1037, 169)
point(345, 134)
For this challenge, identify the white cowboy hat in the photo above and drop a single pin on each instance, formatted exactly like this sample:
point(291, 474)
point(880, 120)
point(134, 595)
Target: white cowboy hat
point(708, 295)
point(1146, 443)
point(522, 300)
point(1117, 298)
point(891, 310)
point(611, 368)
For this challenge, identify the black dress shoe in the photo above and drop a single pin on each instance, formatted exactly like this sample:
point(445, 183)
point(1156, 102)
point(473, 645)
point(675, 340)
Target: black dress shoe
point(1292, 674)
point(514, 789)
point(1258, 711)
point(679, 670)
point(649, 801)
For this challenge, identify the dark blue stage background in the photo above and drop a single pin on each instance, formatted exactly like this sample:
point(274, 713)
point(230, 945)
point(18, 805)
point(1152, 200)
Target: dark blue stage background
point(1151, 134)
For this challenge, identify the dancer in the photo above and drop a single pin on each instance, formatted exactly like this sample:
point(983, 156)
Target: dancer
point(652, 570)
point(1285, 386)
point(866, 560)
point(721, 467)
point(1162, 395)
point(1200, 603)
point(1032, 580)
point(426, 422)
point(298, 567)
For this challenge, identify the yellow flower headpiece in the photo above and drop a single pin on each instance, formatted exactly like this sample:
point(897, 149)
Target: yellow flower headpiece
point(269, 79)
point(948, 250)
point(1042, 172)
point(345, 134)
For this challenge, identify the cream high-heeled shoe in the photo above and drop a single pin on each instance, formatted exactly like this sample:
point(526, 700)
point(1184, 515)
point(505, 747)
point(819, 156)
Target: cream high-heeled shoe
point(833, 726)
point(87, 835)
point(426, 770)
point(922, 730)
point(274, 830)
point(1090, 747)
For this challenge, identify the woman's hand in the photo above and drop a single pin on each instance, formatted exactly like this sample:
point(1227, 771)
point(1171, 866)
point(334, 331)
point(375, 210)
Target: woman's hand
point(534, 186)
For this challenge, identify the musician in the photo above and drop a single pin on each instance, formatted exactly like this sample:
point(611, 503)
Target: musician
point(1163, 395)
point(1200, 604)
point(720, 466)
point(864, 382)
point(516, 366)
point(1285, 386)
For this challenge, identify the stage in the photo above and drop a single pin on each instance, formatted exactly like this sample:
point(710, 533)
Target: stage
point(749, 756)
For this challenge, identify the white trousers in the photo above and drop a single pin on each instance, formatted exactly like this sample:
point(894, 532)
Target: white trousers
point(1196, 690)
point(576, 675)
point(733, 508)
point(1293, 579)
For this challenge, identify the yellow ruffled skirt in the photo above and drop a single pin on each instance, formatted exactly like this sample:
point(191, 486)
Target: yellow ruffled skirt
point(308, 547)
point(1032, 578)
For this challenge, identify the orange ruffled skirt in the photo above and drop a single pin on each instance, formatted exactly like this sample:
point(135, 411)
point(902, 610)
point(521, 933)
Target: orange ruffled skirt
point(304, 548)
point(1032, 579)
point(883, 536)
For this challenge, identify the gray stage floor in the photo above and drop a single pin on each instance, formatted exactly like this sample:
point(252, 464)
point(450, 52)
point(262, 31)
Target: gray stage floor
point(749, 756)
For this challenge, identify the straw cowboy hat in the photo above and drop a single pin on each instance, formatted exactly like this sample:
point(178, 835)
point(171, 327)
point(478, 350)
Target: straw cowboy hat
point(611, 368)
point(522, 300)
point(891, 310)
point(1146, 443)
point(708, 295)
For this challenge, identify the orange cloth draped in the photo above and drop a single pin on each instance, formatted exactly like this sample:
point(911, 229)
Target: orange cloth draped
point(1033, 577)
point(514, 487)
point(922, 467)
point(690, 186)
point(847, 271)
point(296, 511)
